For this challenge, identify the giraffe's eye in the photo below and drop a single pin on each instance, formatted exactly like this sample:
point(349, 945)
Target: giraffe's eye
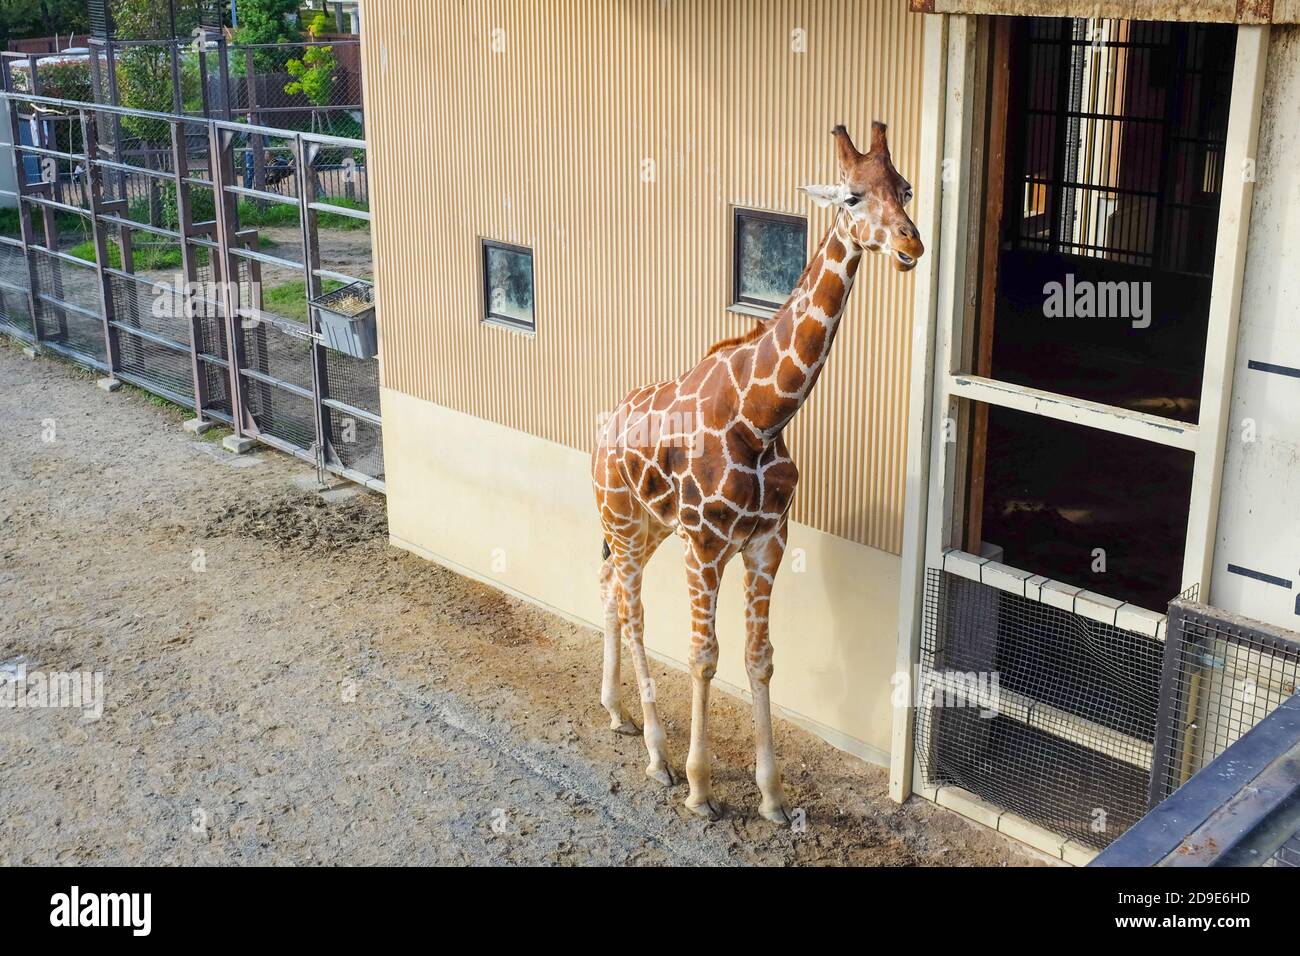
point(853, 200)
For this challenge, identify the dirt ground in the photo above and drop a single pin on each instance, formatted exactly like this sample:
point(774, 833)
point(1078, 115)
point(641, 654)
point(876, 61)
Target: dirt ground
point(282, 686)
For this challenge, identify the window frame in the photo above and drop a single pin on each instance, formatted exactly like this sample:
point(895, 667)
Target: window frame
point(750, 305)
point(489, 317)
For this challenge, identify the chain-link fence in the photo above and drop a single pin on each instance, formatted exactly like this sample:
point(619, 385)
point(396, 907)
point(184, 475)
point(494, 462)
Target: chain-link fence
point(207, 76)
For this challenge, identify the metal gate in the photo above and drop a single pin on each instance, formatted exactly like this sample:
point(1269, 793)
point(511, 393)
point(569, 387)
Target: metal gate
point(203, 334)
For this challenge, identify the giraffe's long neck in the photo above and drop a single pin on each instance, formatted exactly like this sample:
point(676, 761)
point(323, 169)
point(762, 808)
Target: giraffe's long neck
point(790, 355)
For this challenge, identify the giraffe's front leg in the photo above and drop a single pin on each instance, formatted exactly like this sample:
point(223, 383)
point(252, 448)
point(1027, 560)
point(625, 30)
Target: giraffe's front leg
point(632, 622)
point(762, 558)
point(703, 580)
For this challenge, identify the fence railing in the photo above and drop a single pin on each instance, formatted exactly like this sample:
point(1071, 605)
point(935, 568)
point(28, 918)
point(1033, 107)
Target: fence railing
point(1242, 809)
point(204, 295)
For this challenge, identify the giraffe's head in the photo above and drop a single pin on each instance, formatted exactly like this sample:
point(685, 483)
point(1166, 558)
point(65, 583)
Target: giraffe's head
point(873, 197)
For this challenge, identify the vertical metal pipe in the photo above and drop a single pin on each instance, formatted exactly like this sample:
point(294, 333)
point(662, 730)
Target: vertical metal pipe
point(49, 224)
point(95, 187)
point(178, 101)
point(304, 156)
point(189, 264)
point(221, 152)
point(256, 142)
point(223, 68)
point(25, 229)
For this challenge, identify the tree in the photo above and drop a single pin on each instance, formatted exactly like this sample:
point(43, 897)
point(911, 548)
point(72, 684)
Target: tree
point(268, 21)
point(313, 75)
point(144, 74)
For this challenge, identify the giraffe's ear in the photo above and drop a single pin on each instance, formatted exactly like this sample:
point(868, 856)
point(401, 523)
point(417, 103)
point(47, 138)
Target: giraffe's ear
point(826, 195)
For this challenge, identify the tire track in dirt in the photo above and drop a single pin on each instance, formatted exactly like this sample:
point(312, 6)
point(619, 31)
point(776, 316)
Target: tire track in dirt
point(565, 778)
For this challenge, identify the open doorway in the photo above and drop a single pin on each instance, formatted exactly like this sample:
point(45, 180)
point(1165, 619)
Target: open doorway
point(1101, 201)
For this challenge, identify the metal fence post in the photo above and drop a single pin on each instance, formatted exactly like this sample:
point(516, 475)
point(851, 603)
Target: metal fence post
point(304, 156)
point(220, 143)
point(256, 142)
point(223, 71)
point(49, 222)
point(204, 93)
point(189, 264)
point(178, 101)
point(95, 187)
point(26, 233)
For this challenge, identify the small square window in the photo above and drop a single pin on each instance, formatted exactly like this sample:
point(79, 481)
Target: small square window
point(508, 285)
point(769, 255)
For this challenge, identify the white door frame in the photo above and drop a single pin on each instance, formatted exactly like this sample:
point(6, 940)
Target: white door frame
point(941, 387)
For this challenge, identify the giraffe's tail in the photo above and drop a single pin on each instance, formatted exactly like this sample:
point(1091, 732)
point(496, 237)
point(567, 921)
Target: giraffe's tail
point(604, 550)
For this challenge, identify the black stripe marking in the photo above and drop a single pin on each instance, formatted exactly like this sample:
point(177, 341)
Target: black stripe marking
point(1276, 369)
point(1260, 576)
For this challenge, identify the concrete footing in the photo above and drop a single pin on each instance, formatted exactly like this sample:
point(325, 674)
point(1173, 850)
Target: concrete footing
point(108, 384)
point(197, 426)
point(237, 444)
point(29, 351)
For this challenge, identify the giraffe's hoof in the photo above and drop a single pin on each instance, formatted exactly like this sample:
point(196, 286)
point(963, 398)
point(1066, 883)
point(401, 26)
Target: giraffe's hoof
point(663, 773)
point(709, 808)
point(625, 727)
point(778, 813)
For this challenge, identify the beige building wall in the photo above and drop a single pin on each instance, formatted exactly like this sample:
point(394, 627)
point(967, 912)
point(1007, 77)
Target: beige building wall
point(515, 510)
point(535, 122)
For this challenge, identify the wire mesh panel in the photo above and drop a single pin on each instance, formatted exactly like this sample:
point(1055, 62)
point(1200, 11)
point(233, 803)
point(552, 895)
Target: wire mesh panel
point(357, 443)
point(1223, 674)
point(1040, 711)
point(214, 355)
point(282, 414)
point(68, 309)
point(153, 336)
point(352, 380)
point(15, 308)
point(1288, 855)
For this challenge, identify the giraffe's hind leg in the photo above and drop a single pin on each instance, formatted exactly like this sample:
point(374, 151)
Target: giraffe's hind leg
point(610, 678)
point(629, 554)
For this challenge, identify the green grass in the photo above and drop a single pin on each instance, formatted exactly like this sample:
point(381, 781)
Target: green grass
point(150, 257)
point(157, 401)
point(145, 258)
point(279, 214)
point(216, 433)
point(290, 298)
point(65, 221)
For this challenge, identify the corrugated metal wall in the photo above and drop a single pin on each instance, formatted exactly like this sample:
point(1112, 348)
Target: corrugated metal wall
point(542, 144)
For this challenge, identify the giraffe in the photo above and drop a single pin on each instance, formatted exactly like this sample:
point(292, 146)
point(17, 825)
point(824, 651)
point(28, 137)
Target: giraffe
point(703, 456)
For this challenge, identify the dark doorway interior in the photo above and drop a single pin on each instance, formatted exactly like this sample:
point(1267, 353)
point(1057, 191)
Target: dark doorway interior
point(1109, 194)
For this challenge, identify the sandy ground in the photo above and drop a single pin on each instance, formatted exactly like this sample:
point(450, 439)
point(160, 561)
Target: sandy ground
point(282, 686)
